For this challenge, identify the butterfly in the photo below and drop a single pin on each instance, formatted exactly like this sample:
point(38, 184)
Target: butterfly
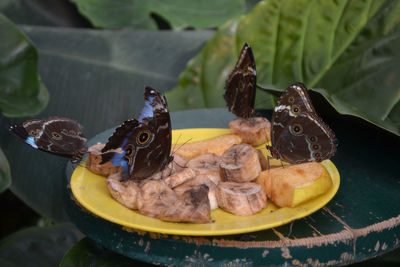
point(240, 87)
point(59, 136)
point(298, 134)
point(144, 144)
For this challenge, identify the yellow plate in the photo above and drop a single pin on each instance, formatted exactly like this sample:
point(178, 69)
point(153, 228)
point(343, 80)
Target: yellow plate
point(92, 193)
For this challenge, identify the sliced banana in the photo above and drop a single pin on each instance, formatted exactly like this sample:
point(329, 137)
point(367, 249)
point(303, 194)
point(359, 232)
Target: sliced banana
point(254, 131)
point(206, 165)
point(240, 164)
point(192, 206)
point(179, 163)
point(179, 178)
point(125, 192)
point(198, 180)
point(94, 159)
point(242, 199)
point(155, 198)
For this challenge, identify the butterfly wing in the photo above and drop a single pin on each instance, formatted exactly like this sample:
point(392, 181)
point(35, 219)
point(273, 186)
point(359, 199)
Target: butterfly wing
point(146, 143)
point(293, 101)
point(60, 136)
point(240, 87)
point(306, 138)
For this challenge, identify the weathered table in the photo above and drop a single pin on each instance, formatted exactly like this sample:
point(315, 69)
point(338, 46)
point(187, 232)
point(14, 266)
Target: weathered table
point(361, 221)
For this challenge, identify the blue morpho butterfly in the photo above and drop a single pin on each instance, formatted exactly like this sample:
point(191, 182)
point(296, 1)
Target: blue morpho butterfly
point(145, 143)
point(298, 134)
point(59, 136)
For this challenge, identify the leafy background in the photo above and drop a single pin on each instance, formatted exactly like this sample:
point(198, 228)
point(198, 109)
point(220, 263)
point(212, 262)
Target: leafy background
point(90, 60)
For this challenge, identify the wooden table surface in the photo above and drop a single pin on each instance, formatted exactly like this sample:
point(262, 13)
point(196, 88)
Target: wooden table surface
point(360, 222)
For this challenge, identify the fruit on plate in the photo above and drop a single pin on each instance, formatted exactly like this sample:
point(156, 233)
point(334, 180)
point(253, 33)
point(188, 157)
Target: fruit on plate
point(294, 184)
point(216, 145)
point(253, 131)
point(206, 165)
point(125, 192)
point(240, 163)
point(243, 199)
point(94, 159)
point(199, 180)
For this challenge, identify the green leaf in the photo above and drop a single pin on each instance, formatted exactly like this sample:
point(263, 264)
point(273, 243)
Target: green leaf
point(37, 246)
point(21, 91)
point(87, 253)
point(349, 48)
point(5, 173)
point(97, 78)
point(43, 12)
point(113, 14)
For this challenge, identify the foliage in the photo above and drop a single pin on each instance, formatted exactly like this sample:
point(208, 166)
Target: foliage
point(38, 246)
point(21, 91)
point(87, 253)
point(5, 173)
point(348, 48)
point(114, 14)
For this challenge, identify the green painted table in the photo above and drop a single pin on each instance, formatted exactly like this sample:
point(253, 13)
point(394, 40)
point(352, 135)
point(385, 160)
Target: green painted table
point(361, 222)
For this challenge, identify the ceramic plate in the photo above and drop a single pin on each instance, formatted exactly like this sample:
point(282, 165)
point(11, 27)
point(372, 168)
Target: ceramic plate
point(91, 192)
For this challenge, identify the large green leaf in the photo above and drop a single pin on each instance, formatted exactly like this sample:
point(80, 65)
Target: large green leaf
point(112, 14)
point(21, 91)
point(87, 253)
point(43, 12)
point(96, 77)
point(348, 48)
point(5, 173)
point(37, 246)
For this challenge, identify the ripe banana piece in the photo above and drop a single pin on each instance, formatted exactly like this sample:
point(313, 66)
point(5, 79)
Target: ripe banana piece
point(199, 180)
point(94, 159)
point(254, 131)
point(240, 163)
point(179, 178)
point(124, 192)
point(206, 165)
point(242, 199)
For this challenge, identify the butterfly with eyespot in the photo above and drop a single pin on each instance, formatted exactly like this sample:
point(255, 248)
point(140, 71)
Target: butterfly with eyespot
point(240, 87)
point(298, 134)
point(59, 136)
point(145, 143)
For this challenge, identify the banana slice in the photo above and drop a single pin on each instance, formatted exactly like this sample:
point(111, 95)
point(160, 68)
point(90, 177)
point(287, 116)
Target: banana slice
point(179, 163)
point(254, 131)
point(180, 177)
point(240, 164)
point(242, 199)
point(192, 206)
point(94, 159)
point(206, 165)
point(199, 180)
point(155, 198)
point(124, 192)
point(216, 145)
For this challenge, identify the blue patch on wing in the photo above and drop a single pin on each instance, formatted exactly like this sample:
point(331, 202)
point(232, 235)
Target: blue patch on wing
point(30, 140)
point(147, 111)
point(118, 160)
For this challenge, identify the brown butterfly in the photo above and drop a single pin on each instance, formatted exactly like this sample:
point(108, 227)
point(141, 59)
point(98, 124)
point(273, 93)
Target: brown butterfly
point(298, 134)
point(241, 85)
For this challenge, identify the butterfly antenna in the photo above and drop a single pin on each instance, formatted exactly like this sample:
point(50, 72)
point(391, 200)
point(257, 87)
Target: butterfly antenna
point(282, 164)
point(177, 141)
point(172, 154)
